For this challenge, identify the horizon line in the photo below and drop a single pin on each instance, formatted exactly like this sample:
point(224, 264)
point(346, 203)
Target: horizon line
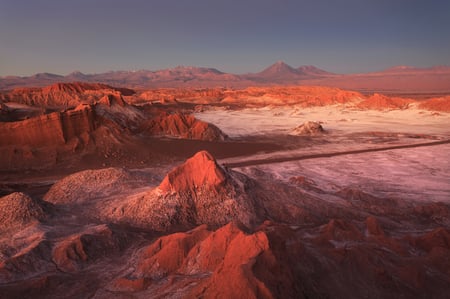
point(232, 73)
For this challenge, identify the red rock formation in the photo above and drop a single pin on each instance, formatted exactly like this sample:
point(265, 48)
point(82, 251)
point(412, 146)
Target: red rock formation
point(183, 126)
point(340, 230)
point(60, 135)
point(80, 87)
point(437, 104)
point(222, 264)
point(306, 96)
point(382, 102)
point(196, 192)
point(76, 87)
point(51, 129)
point(234, 276)
point(439, 237)
point(62, 95)
point(373, 226)
point(18, 209)
point(75, 251)
point(308, 128)
point(114, 108)
point(167, 254)
point(199, 171)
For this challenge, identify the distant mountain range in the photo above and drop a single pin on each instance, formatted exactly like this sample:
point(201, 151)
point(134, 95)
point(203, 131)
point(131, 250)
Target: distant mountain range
point(398, 78)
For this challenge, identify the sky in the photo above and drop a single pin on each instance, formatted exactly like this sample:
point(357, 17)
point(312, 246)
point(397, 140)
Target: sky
point(237, 36)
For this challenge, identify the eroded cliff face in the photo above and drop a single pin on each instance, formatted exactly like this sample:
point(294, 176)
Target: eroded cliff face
point(43, 141)
point(56, 128)
point(101, 123)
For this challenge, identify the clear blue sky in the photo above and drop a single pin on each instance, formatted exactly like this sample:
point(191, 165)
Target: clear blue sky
point(239, 36)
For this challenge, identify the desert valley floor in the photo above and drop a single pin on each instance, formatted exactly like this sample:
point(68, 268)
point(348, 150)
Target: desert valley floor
point(264, 192)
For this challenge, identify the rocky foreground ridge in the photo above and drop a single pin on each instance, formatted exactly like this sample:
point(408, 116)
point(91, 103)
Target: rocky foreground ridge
point(207, 231)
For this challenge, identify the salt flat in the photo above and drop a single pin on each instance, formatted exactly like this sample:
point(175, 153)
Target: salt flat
point(414, 174)
point(421, 173)
point(336, 119)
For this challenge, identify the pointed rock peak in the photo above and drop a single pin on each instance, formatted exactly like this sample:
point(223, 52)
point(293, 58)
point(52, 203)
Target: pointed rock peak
point(112, 99)
point(278, 69)
point(76, 73)
point(201, 170)
point(281, 65)
point(281, 62)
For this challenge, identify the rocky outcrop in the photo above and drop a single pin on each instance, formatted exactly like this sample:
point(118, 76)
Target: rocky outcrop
point(62, 95)
point(436, 104)
point(182, 126)
point(44, 140)
point(75, 251)
point(34, 253)
point(51, 129)
point(18, 209)
point(196, 192)
point(382, 102)
point(197, 172)
point(206, 247)
point(223, 263)
point(114, 107)
point(85, 186)
point(305, 96)
point(308, 128)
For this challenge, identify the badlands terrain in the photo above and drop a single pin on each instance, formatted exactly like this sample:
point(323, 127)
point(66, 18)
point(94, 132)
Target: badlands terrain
point(282, 191)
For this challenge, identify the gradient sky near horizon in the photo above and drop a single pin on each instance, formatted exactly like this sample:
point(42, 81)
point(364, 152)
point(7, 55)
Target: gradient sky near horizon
point(237, 36)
